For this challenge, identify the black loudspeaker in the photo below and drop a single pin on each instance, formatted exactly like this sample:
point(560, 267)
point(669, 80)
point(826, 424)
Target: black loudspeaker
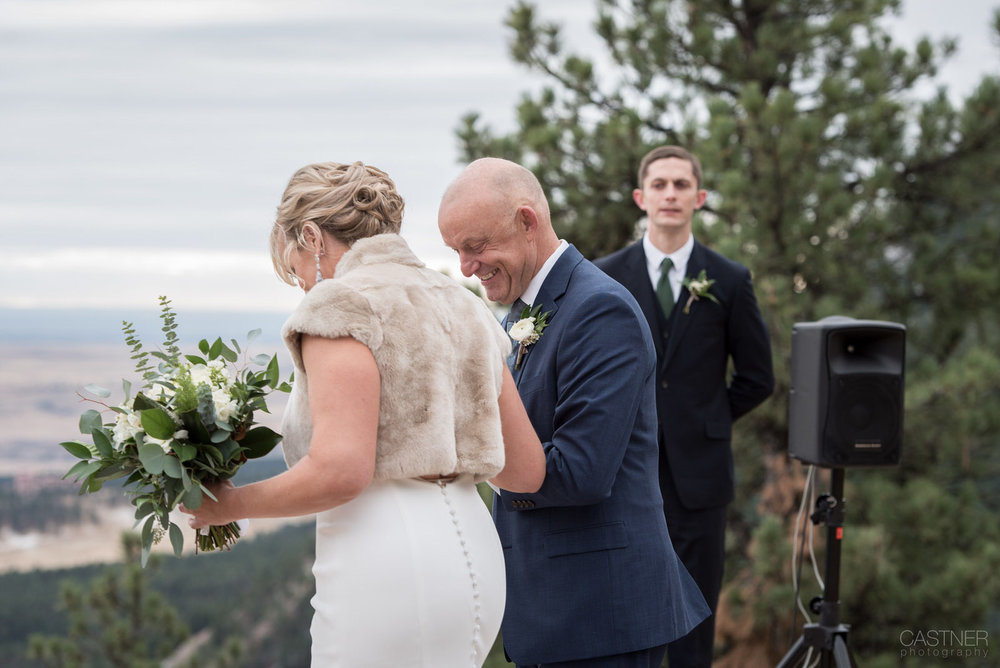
point(845, 408)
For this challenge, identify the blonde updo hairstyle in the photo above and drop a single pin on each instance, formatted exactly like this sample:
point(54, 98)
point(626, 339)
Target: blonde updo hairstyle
point(348, 202)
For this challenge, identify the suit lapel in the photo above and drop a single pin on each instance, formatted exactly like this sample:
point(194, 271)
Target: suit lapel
point(508, 322)
point(679, 320)
point(636, 280)
point(553, 288)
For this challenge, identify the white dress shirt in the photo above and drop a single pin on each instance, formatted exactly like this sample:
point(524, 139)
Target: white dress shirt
point(680, 257)
point(535, 284)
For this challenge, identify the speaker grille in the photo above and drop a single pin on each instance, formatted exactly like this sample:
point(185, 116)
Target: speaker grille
point(863, 420)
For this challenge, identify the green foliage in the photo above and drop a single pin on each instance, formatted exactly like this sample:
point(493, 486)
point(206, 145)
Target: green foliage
point(919, 558)
point(248, 607)
point(846, 191)
point(141, 357)
point(171, 352)
point(190, 424)
point(117, 621)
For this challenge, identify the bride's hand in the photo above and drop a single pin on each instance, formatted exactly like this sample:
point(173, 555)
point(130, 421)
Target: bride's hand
point(213, 513)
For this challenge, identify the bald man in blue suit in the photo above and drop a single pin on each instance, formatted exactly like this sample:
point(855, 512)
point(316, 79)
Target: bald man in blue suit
point(592, 578)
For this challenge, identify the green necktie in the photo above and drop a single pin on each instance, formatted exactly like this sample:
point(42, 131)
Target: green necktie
point(663, 290)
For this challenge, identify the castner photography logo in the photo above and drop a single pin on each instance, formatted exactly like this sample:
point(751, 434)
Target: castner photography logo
point(944, 643)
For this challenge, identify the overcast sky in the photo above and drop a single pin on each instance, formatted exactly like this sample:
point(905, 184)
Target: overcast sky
point(144, 145)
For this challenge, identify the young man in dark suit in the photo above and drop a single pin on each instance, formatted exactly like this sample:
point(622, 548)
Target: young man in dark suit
point(701, 309)
point(592, 579)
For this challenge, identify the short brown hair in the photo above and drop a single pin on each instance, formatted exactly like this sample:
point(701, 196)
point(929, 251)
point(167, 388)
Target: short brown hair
point(661, 152)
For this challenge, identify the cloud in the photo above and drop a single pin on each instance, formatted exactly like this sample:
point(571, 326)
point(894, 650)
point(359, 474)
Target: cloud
point(140, 136)
point(135, 277)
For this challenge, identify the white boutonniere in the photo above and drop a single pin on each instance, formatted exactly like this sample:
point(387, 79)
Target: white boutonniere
point(698, 287)
point(527, 330)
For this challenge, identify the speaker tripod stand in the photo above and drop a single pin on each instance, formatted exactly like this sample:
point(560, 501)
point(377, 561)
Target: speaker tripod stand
point(828, 636)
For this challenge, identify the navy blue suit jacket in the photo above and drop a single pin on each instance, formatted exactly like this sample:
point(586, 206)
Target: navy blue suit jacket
point(696, 405)
point(590, 568)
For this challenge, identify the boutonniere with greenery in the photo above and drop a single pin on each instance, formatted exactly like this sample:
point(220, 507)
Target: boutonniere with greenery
point(698, 287)
point(528, 329)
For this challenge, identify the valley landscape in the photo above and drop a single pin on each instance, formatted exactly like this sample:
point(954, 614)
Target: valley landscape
point(41, 398)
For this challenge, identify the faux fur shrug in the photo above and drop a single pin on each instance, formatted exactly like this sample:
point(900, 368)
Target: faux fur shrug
point(440, 354)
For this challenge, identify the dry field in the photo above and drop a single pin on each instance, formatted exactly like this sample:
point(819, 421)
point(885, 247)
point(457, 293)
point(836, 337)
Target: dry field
point(93, 543)
point(40, 402)
point(39, 408)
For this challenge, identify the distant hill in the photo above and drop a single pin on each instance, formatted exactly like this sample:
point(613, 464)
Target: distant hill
point(47, 357)
point(104, 325)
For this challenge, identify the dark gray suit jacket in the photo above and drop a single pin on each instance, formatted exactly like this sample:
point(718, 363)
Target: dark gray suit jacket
point(696, 405)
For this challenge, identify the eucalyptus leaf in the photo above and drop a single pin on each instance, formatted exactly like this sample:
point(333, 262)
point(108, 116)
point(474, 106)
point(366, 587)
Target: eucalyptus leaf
point(176, 539)
point(147, 539)
point(253, 335)
point(216, 349)
point(143, 509)
point(77, 449)
point(206, 405)
point(173, 488)
point(184, 451)
point(214, 452)
point(203, 346)
point(229, 354)
point(172, 467)
point(152, 457)
point(157, 423)
point(110, 473)
point(97, 390)
point(82, 469)
point(228, 449)
point(207, 492)
point(103, 444)
point(89, 421)
point(193, 497)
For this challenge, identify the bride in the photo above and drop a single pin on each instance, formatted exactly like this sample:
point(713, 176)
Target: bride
point(401, 404)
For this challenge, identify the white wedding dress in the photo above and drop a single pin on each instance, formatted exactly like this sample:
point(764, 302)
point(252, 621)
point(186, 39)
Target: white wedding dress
point(410, 573)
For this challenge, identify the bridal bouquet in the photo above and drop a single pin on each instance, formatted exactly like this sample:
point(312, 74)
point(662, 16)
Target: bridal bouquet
point(190, 423)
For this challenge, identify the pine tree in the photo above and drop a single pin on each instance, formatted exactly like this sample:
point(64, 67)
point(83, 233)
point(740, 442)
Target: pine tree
point(117, 621)
point(846, 192)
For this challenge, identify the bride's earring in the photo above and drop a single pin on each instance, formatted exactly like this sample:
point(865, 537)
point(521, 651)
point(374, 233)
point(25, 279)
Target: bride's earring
point(319, 274)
